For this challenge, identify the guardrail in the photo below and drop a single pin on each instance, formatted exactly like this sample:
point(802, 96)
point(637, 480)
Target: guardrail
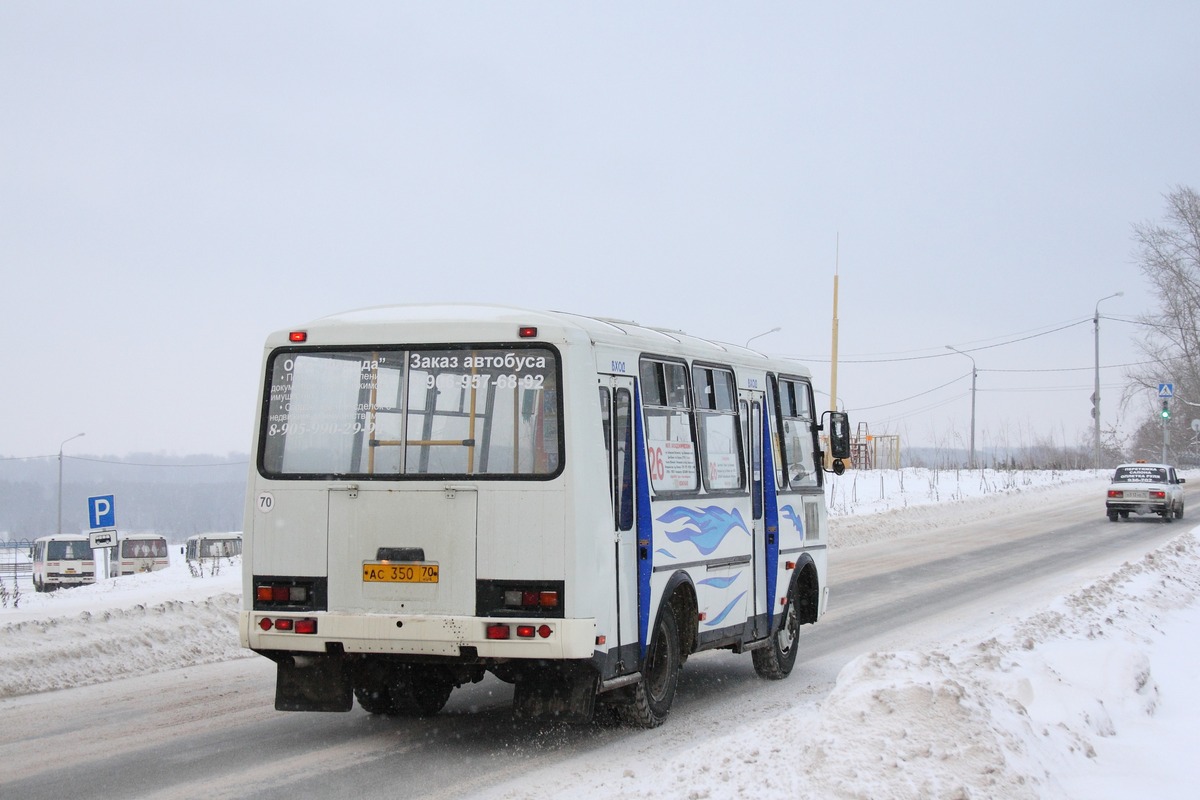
point(14, 559)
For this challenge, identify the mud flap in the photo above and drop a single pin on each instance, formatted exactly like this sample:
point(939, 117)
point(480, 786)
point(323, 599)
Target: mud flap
point(566, 696)
point(312, 683)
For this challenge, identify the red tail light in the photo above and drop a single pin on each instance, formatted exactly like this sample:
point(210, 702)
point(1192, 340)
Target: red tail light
point(497, 631)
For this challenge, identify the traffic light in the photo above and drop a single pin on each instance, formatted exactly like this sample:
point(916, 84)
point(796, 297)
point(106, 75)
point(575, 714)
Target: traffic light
point(1166, 411)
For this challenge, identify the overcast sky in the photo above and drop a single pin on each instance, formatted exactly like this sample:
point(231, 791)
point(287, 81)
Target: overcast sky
point(179, 179)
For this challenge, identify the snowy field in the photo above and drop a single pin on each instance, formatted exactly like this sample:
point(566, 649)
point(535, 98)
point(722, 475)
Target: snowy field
point(1093, 696)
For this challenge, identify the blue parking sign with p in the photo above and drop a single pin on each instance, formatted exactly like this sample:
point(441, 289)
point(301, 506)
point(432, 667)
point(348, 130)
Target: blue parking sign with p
point(102, 512)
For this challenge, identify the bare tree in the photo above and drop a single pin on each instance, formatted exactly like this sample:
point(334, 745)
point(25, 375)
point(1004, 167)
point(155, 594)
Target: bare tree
point(1168, 253)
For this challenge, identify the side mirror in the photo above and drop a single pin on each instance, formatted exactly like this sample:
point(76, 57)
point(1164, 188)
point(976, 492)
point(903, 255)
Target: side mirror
point(839, 438)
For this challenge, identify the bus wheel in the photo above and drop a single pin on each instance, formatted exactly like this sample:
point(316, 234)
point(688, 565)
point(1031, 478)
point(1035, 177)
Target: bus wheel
point(408, 692)
point(653, 694)
point(420, 692)
point(775, 661)
point(374, 701)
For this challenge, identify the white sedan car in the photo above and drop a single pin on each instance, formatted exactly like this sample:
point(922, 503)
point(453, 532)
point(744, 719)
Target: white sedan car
point(1145, 489)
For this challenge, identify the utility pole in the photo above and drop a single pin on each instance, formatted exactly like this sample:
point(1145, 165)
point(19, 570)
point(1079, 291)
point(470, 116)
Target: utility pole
point(60, 449)
point(1096, 392)
point(974, 375)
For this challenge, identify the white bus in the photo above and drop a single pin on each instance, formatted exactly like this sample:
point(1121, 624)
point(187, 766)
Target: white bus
point(62, 561)
point(207, 547)
point(571, 503)
point(140, 552)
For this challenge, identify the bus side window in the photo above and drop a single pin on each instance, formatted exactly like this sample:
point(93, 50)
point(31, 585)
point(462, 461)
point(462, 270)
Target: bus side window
point(624, 459)
point(799, 433)
point(720, 430)
point(606, 422)
point(670, 439)
point(773, 413)
point(756, 459)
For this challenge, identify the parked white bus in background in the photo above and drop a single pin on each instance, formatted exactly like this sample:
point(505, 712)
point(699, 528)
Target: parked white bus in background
point(206, 547)
point(574, 504)
point(140, 552)
point(62, 561)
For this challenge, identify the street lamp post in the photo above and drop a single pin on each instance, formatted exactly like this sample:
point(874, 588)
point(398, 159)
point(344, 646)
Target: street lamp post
point(974, 374)
point(776, 329)
point(60, 449)
point(1096, 391)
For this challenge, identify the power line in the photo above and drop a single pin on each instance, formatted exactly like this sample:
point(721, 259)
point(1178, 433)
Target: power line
point(1076, 369)
point(913, 397)
point(944, 355)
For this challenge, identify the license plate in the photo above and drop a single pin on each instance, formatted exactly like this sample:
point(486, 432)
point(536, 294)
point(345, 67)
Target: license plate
point(400, 573)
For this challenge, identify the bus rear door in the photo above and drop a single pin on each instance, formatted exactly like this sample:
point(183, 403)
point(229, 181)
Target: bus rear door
point(407, 552)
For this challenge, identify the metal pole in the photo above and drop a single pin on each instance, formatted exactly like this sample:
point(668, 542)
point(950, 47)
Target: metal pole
point(1096, 391)
point(1166, 435)
point(60, 451)
point(974, 375)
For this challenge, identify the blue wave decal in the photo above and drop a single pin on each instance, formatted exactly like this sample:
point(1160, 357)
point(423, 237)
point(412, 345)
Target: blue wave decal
point(789, 513)
point(706, 528)
point(720, 583)
point(665, 552)
point(725, 613)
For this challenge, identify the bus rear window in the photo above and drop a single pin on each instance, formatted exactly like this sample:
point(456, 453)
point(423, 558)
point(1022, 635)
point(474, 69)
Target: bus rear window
point(480, 412)
point(143, 548)
point(68, 551)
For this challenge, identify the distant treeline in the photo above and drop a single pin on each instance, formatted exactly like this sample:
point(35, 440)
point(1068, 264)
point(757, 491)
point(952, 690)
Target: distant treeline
point(174, 496)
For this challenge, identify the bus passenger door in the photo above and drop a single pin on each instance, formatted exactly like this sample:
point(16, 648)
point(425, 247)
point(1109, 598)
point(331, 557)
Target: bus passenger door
point(751, 409)
point(616, 394)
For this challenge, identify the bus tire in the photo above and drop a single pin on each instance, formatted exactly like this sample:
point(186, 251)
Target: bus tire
point(408, 692)
point(421, 693)
point(374, 700)
point(775, 661)
point(653, 694)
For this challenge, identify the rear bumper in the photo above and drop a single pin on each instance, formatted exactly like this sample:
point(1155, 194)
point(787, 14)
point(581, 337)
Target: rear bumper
point(421, 635)
point(1138, 506)
point(55, 579)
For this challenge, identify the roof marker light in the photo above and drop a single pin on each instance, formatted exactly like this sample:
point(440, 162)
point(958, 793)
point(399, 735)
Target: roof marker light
point(298, 336)
point(527, 331)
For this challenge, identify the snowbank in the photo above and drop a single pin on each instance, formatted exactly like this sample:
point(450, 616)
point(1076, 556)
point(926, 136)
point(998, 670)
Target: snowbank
point(119, 627)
